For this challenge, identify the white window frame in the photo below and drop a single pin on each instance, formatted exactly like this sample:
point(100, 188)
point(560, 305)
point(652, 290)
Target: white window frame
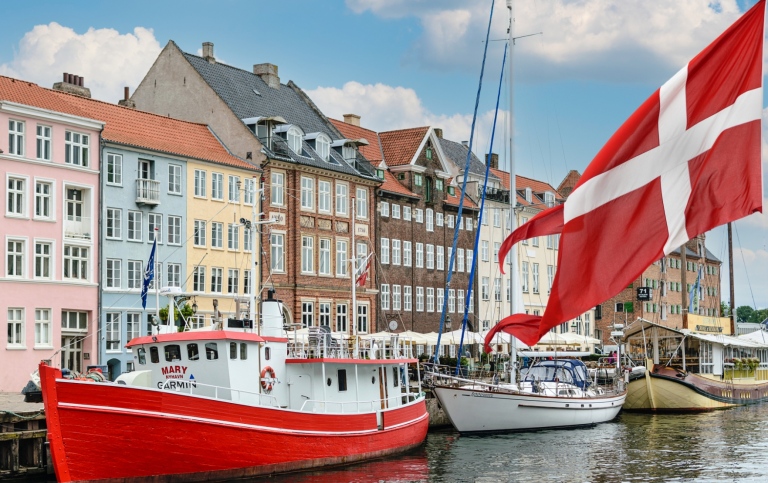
point(233, 281)
point(277, 188)
point(174, 230)
point(361, 203)
point(396, 300)
point(407, 253)
point(324, 257)
point(43, 329)
point(395, 251)
point(199, 234)
point(16, 330)
point(173, 271)
point(430, 256)
point(77, 145)
point(406, 213)
point(46, 259)
point(384, 209)
point(113, 273)
point(419, 255)
point(112, 324)
point(135, 226)
point(43, 144)
point(174, 179)
point(233, 190)
point(407, 298)
point(395, 211)
point(430, 299)
point(342, 257)
point(384, 255)
point(277, 252)
point(233, 237)
point(308, 255)
point(16, 258)
point(217, 186)
point(155, 220)
point(16, 137)
point(419, 299)
point(384, 298)
point(307, 193)
point(217, 235)
point(80, 260)
point(440, 257)
point(324, 202)
point(114, 171)
point(217, 279)
point(44, 199)
point(200, 184)
point(342, 195)
point(16, 196)
point(430, 220)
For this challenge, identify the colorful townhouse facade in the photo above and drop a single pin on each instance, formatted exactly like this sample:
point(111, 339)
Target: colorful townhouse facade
point(49, 165)
point(316, 187)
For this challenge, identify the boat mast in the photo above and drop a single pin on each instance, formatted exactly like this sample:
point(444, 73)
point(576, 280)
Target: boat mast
point(512, 193)
point(353, 316)
point(730, 277)
point(251, 290)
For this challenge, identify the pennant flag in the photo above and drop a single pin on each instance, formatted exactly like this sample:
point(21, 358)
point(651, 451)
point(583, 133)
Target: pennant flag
point(149, 274)
point(668, 174)
point(694, 296)
point(362, 271)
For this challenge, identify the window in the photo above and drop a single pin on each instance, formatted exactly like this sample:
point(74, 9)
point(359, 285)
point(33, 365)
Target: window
point(74, 321)
point(430, 222)
point(395, 252)
point(395, 211)
point(385, 296)
point(341, 258)
point(484, 214)
point(461, 222)
point(307, 193)
point(430, 299)
point(439, 219)
point(407, 258)
point(419, 255)
point(418, 215)
point(535, 278)
point(114, 223)
point(496, 217)
point(134, 225)
point(419, 299)
point(307, 254)
point(406, 213)
point(43, 204)
point(324, 260)
point(233, 237)
point(198, 280)
point(200, 185)
point(43, 143)
point(535, 241)
point(114, 272)
point(199, 235)
point(247, 288)
point(469, 224)
point(550, 277)
point(362, 203)
point(135, 274)
point(524, 277)
point(277, 188)
point(174, 230)
point(460, 259)
point(440, 257)
point(396, 297)
point(155, 227)
point(407, 297)
point(496, 249)
point(113, 331)
point(247, 240)
point(439, 186)
point(342, 205)
point(234, 188)
point(217, 274)
point(440, 299)
point(174, 274)
point(158, 275)
point(43, 328)
point(384, 208)
point(449, 221)
point(497, 289)
point(249, 191)
point(549, 199)
point(76, 148)
point(484, 288)
point(430, 257)
point(43, 262)
point(294, 139)
point(233, 280)
point(217, 186)
point(217, 235)
point(15, 327)
point(307, 314)
point(15, 259)
point(342, 377)
point(16, 137)
point(469, 260)
point(16, 197)
point(385, 251)
point(362, 318)
point(211, 351)
point(324, 313)
point(174, 179)
point(452, 301)
point(341, 317)
point(418, 179)
point(277, 247)
point(460, 301)
point(324, 196)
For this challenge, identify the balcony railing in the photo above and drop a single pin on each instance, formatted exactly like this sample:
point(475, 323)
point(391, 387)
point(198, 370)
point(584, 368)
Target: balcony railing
point(499, 195)
point(78, 227)
point(147, 191)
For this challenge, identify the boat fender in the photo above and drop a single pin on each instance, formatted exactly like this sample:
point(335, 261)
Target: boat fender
point(266, 383)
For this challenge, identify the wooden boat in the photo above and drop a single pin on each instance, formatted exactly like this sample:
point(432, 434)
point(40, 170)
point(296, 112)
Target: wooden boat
point(232, 403)
point(698, 369)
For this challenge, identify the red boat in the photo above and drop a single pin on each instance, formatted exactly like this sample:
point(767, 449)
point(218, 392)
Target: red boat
point(231, 403)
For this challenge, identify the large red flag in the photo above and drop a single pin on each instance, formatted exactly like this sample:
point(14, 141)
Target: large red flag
point(686, 161)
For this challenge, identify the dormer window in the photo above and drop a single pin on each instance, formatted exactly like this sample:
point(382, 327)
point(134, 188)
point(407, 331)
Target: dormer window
point(293, 137)
point(451, 191)
point(528, 195)
point(549, 199)
point(349, 152)
point(323, 146)
point(429, 152)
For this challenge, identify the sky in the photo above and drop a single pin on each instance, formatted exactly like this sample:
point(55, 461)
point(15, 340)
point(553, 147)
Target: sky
point(581, 67)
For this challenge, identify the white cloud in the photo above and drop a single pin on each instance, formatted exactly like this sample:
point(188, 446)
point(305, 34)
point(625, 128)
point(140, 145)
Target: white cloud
point(106, 59)
point(610, 40)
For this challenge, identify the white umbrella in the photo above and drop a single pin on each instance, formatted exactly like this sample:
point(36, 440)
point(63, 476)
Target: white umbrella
point(415, 337)
point(504, 338)
point(469, 337)
point(552, 338)
point(572, 338)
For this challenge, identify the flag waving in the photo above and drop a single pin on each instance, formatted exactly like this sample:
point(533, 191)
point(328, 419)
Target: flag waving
point(362, 271)
point(686, 161)
point(694, 296)
point(149, 274)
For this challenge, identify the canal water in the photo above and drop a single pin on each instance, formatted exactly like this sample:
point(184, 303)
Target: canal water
point(721, 446)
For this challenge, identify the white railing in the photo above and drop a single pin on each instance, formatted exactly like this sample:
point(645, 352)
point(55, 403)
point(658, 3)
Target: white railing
point(219, 392)
point(337, 348)
point(147, 191)
point(78, 227)
point(357, 407)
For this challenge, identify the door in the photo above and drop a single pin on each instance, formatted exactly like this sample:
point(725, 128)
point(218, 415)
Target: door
point(299, 391)
point(72, 353)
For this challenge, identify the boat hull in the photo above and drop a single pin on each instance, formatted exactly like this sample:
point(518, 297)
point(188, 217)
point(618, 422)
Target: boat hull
point(473, 411)
point(108, 432)
point(662, 389)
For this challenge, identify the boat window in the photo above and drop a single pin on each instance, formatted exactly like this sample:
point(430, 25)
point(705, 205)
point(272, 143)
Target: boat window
point(172, 353)
point(267, 353)
point(211, 351)
point(233, 350)
point(193, 353)
point(342, 380)
point(154, 355)
point(243, 351)
point(395, 378)
point(142, 356)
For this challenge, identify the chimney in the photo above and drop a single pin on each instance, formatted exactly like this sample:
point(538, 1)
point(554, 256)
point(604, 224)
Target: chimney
point(268, 73)
point(208, 52)
point(353, 119)
point(494, 158)
point(126, 101)
point(439, 132)
point(72, 84)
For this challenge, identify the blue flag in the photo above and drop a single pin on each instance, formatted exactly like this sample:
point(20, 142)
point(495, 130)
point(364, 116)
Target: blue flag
point(149, 274)
point(694, 296)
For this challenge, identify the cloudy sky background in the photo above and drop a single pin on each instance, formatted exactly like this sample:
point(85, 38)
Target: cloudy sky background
point(586, 66)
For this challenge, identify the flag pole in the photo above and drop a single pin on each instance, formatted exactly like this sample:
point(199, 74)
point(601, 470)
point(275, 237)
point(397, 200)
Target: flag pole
point(353, 274)
point(512, 196)
point(157, 285)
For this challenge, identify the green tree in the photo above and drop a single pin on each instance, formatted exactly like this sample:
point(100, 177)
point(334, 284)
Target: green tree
point(743, 313)
point(179, 316)
point(758, 316)
point(725, 309)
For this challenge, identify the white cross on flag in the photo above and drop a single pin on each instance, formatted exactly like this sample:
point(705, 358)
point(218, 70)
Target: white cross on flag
point(686, 161)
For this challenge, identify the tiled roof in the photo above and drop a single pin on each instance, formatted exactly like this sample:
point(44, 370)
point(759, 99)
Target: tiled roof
point(457, 154)
point(127, 126)
point(392, 185)
point(399, 147)
point(372, 151)
point(454, 200)
point(503, 176)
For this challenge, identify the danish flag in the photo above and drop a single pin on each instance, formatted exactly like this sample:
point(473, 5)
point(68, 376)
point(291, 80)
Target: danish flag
point(686, 161)
point(362, 271)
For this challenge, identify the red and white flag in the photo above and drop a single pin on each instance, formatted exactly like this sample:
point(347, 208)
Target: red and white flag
point(686, 161)
point(362, 271)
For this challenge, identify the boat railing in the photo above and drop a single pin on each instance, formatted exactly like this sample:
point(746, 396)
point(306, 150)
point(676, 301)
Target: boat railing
point(323, 345)
point(219, 392)
point(356, 407)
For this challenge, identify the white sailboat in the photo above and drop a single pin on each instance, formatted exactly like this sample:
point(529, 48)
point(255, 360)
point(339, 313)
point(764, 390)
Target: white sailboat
point(554, 393)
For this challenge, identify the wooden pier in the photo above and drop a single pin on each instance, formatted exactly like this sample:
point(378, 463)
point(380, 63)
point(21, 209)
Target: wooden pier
point(23, 448)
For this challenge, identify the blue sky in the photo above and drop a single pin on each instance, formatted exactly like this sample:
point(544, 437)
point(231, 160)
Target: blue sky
point(407, 63)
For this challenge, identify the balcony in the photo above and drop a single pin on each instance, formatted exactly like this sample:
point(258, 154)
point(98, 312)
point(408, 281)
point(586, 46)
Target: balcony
point(78, 227)
point(147, 192)
point(493, 194)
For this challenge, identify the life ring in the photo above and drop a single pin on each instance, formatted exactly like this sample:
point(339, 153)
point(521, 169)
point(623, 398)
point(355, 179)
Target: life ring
point(267, 386)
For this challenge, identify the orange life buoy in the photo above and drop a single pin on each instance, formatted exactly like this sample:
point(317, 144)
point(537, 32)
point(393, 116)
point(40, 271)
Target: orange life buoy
point(267, 385)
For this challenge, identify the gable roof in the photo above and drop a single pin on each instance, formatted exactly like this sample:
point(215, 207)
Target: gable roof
point(127, 126)
point(399, 147)
point(372, 151)
point(453, 200)
point(392, 185)
point(457, 154)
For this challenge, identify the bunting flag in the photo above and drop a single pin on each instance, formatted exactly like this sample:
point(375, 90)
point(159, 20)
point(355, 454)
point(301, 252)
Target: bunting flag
point(362, 271)
point(686, 161)
point(149, 274)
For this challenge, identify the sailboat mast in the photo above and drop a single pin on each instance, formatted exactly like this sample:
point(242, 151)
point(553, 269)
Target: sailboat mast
point(512, 190)
point(730, 277)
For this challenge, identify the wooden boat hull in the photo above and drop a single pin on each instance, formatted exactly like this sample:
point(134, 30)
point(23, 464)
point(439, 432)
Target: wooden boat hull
point(662, 389)
point(473, 411)
point(109, 432)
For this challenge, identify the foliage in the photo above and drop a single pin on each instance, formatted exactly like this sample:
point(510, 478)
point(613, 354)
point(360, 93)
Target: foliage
point(179, 316)
point(725, 309)
point(745, 313)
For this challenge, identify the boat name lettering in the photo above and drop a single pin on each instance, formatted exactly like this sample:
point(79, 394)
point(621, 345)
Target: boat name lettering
point(481, 394)
point(708, 328)
point(180, 370)
point(176, 384)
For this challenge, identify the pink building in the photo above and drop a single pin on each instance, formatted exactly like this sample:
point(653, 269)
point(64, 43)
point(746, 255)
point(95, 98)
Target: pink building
point(49, 166)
